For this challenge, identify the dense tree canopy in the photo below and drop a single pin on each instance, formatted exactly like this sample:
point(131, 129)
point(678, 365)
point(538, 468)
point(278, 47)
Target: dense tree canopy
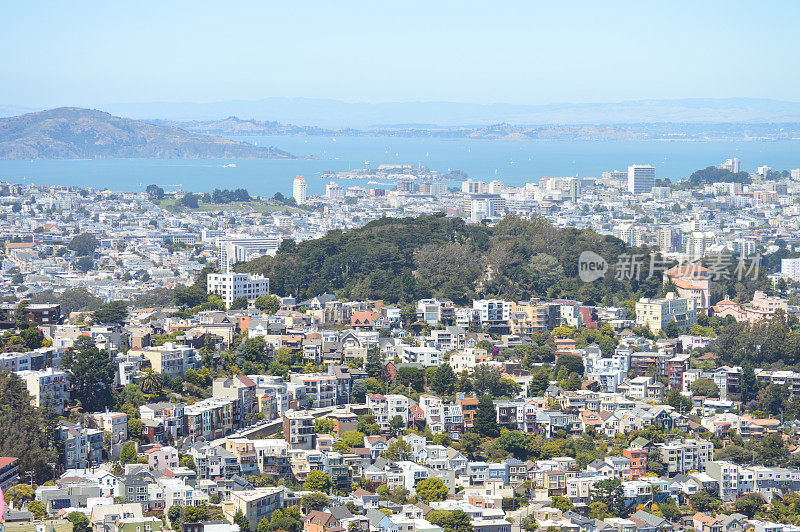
point(83, 244)
point(403, 260)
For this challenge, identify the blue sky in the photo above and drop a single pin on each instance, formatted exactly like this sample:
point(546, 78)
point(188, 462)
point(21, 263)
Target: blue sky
point(94, 53)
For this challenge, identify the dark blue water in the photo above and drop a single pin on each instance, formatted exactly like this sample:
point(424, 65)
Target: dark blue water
point(515, 162)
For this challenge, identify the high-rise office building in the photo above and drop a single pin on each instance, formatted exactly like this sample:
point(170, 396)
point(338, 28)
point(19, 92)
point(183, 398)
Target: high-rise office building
point(299, 190)
point(641, 178)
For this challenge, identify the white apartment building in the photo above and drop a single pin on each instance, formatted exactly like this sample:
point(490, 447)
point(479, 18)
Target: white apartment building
point(682, 457)
point(20, 361)
point(492, 311)
point(657, 313)
point(320, 389)
point(429, 311)
point(233, 250)
point(334, 192)
point(641, 178)
point(115, 423)
point(47, 384)
point(427, 356)
point(229, 286)
point(790, 269)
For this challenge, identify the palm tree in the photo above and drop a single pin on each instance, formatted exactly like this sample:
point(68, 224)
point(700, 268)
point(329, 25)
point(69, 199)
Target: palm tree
point(151, 383)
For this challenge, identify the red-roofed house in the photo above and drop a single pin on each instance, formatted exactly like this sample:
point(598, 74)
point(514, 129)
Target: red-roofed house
point(362, 319)
point(322, 522)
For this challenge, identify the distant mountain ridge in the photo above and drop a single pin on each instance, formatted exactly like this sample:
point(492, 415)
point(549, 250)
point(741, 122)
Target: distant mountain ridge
point(76, 133)
point(233, 126)
point(337, 114)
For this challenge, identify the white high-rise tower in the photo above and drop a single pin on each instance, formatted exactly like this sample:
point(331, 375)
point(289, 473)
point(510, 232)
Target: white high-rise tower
point(299, 190)
point(641, 178)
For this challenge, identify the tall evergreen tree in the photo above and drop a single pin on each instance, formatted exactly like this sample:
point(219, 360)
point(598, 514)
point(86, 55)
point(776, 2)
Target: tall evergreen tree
point(375, 366)
point(748, 384)
point(486, 418)
point(443, 380)
point(91, 374)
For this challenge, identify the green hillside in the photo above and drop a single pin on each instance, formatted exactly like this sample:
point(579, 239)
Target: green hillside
point(401, 260)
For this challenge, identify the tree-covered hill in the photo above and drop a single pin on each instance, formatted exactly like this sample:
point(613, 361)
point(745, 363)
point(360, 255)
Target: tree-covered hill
point(401, 260)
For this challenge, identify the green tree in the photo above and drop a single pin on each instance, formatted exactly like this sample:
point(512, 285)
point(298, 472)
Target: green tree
point(38, 509)
point(397, 424)
point(750, 504)
point(669, 509)
point(80, 523)
point(91, 373)
point(486, 418)
point(398, 450)
point(20, 494)
point(562, 503)
point(598, 510)
point(195, 514)
point(444, 380)
point(455, 521)
point(353, 438)
point(314, 501)
point(375, 366)
point(240, 519)
point(341, 447)
point(127, 455)
point(33, 337)
point(411, 376)
point(702, 501)
point(112, 312)
point(671, 330)
point(174, 515)
point(570, 362)
point(358, 393)
point(83, 244)
point(323, 426)
point(268, 304)
point(239, 303)
point(771, 449)
point(431, 489)
point(151, 382)
point(514, 442)
point(680, 402)
point(539, 383)
point(470, 443)
point(705, 388)
point(748, 383)
point(317, 481)
point(84, 264)
point(610, 493)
